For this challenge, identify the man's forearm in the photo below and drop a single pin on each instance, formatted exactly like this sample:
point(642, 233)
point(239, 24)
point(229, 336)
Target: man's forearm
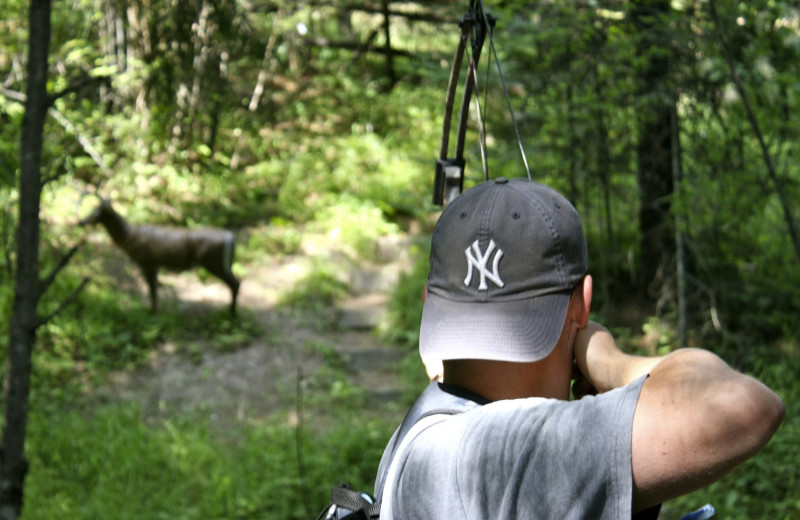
point(604, 364)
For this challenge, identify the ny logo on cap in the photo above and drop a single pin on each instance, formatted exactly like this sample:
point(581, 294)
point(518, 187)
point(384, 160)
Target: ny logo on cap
point(478, 260)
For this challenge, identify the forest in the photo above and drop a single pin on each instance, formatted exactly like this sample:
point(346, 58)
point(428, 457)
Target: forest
point(311, 130)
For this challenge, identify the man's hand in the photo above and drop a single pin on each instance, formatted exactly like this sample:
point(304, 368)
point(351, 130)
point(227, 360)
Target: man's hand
point(580, 385)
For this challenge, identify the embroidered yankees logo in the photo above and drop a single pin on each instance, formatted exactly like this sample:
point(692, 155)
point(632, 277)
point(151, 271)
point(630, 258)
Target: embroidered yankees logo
point(478, 260)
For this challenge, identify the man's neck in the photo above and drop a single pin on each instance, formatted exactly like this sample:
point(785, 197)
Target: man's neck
point(498, 380)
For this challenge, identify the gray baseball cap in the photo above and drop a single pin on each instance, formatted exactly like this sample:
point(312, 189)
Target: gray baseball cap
point(505, 257)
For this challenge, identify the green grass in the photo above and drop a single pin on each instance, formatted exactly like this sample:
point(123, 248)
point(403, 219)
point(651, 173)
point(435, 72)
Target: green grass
point(109, 463)
point(91, 460)
point(108, 329)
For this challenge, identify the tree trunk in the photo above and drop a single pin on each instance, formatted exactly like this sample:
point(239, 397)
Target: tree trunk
point(203, 29)
point(390, 72)
point(653, 147)
point(603, 165)
point(263, 72)
point(680, 256)
point(22, 329)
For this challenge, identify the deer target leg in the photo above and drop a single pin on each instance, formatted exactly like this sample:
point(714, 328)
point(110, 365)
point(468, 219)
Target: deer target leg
point(151, 275)
point(234, 294)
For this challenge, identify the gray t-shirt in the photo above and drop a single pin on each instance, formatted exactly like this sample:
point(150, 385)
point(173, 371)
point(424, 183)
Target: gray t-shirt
point(523, 458)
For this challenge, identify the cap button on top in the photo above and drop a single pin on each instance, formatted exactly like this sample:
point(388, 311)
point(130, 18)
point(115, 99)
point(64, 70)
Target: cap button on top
point(500, 180)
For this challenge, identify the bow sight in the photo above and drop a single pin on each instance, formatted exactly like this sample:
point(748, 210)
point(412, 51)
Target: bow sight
point(449, 178)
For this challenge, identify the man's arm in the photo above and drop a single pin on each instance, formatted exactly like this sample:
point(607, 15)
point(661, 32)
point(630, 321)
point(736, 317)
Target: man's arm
point(696, 419)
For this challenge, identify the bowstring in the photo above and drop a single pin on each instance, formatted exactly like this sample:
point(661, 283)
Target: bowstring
point(505, 92)
point(481, 121)
point(485, 105)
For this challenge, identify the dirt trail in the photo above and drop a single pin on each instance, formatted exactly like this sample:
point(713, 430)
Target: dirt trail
point(261, 378)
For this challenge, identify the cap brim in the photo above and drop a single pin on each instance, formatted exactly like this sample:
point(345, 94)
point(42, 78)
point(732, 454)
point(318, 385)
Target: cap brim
point(520, 331)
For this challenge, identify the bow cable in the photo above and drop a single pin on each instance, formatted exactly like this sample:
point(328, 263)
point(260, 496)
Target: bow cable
point(449, 178)
point(481, 123)
point(508, 101)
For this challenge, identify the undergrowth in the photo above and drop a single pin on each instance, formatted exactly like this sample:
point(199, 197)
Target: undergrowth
point(109, 463)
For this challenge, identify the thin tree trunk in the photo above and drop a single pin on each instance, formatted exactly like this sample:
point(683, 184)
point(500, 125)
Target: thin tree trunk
point(258, 90)
point(140, 42)
point(603, 160)
point(387, 35)
point(573, 157)
point(107, 37)
point(680, 260)
point(265, 63)
point(653, 147)
point(202, 39)
point(22, 329)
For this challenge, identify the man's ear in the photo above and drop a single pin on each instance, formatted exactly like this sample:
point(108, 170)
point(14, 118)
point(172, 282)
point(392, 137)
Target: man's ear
point(585, 290)
point(424, 293)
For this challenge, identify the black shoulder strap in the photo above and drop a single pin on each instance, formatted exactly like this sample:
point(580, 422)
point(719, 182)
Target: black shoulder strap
point(648, 514)
point(438, 398)
point(351, 505)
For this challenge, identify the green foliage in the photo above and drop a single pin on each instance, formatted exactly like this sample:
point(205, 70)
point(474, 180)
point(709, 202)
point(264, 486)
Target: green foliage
point(8, 225)
point(660, 335)
point(404, 314)
point(314, 296)
point(320, 288)
point(280, 237)
point(362, 167)
point(92, 461)
point(110, 462)
point(405, 307)
point(329, 386)
point(11, 113)
point(105, 329)
point(227, 333)
point(355, 224)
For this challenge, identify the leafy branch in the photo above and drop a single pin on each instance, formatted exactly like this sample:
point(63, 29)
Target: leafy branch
point(66, 124)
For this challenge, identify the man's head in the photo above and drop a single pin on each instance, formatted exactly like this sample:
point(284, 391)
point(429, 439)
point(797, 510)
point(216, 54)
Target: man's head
point(505, 257)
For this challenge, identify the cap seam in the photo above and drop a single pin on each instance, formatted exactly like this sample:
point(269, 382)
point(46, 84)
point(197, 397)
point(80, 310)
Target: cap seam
point(485, 231)
point(555, 235)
